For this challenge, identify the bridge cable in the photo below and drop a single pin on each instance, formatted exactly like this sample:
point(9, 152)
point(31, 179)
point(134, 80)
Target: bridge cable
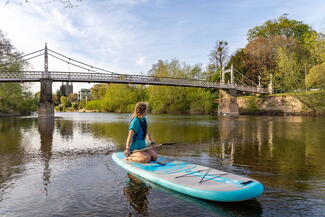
point(33, 57)
point(11, 62)
point(31, 53)
point(246, 77)
point(73, 64)
point(93, 67)
point(240, 81)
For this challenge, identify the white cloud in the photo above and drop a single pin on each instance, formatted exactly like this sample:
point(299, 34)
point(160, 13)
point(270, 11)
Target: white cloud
point(141, 60)
point(128, 36)
point(103, 34)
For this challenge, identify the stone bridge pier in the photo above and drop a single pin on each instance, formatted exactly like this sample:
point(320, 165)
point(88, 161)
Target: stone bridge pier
point(46, 106)
point(228, 102)
point(228, 98)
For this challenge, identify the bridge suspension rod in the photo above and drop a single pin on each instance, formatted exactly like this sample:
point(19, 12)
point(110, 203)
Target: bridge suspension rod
point(92, 67)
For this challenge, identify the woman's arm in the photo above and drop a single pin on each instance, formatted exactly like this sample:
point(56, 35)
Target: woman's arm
point(128, 143)
point(149, 138)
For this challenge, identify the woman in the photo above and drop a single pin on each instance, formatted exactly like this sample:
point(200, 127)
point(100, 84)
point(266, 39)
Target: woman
point(137, 136)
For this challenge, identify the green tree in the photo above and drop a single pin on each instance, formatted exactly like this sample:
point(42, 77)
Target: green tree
point(289, 74)
point(316, 76)
point(315, 43)
point(64, 103)
point(56, 97)
point(282, 26)
point(98, 91)
point(260, 54)
point(14, 97)
point(166, 99)
point(73, 97)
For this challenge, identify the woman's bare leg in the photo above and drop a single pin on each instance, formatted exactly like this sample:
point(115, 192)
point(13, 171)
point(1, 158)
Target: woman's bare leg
point(139, 157)
point(153, 154)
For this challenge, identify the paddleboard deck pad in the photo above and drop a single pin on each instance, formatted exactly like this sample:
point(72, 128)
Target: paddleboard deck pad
point(194, 180)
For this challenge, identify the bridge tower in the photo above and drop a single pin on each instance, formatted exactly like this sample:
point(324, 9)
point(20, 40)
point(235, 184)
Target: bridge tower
point(228, 98)
point(46, 106)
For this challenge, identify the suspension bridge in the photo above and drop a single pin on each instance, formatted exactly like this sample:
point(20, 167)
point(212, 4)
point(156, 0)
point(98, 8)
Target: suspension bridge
point(228, 103)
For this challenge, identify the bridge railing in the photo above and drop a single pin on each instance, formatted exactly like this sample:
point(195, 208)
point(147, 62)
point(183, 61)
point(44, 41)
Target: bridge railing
point(27, 76)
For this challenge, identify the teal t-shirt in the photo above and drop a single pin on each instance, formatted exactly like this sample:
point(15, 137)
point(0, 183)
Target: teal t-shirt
point(138, 142)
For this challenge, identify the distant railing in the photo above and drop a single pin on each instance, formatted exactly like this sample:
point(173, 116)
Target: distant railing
point(34, 76)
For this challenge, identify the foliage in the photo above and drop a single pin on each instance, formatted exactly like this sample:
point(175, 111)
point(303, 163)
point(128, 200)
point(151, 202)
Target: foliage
point(316, 76)
point(315, 44)
point(73, 97)
point(259, 56)
point(283, 27)
point(288, 75)
point(313, 100)
point(251, 104)
point(117, 98)
point(14, 97)
point(164, 99)
point(56, 97)
point(98, 91)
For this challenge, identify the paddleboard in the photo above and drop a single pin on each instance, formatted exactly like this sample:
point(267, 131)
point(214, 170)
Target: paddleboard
point(194, 180)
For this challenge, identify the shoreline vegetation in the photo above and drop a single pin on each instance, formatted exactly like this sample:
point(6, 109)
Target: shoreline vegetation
point(285, 50)
point(308, 103)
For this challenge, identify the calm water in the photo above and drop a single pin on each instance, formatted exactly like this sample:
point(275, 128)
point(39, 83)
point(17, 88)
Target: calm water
point(63, 167)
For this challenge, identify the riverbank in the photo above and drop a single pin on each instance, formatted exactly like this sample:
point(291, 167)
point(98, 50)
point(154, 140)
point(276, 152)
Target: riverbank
point(305, 103)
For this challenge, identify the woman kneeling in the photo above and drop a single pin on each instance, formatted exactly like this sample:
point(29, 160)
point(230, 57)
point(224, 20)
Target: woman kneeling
point(138, 133)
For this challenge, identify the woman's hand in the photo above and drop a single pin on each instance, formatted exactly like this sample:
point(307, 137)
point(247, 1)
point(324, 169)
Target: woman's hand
point(153, 144)
point(127, 152)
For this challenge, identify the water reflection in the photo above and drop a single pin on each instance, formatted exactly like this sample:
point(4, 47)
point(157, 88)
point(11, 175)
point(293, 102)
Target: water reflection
point(137, 194)
point(65, 127)
point(138, 188)
point(285, 153)
point(46, 129)
point(11, 151)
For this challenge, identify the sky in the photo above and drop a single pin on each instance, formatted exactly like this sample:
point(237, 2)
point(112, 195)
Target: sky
point(129, 36)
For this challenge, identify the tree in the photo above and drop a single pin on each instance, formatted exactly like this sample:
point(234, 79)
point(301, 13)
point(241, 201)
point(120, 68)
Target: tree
point(73, 97)
point(219, 55)
point(14, 97)
point(315, 43)
point(289, 75)
point(64, 102)
point(316, 76)
point(283, 27)
point(98, 91)
point(56, 97)
point(259, 56)
point(163, 99)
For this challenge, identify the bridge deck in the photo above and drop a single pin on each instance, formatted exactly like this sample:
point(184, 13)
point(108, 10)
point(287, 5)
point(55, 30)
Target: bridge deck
point(36, 76)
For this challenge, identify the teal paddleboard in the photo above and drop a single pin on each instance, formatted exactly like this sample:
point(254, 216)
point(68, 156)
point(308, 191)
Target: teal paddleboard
point(194, 180)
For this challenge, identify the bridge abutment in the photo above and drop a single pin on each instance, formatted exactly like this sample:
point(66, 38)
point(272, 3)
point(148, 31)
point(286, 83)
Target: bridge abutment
point(46, 106)
point(228, 102)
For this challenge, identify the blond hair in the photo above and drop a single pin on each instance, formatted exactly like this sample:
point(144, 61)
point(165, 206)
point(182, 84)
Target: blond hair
point(139, 109)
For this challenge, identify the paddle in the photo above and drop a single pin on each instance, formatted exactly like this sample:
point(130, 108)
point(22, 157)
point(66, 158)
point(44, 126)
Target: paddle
point(150, 147)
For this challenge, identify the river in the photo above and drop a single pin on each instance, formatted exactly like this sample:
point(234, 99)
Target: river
point(63, 166)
